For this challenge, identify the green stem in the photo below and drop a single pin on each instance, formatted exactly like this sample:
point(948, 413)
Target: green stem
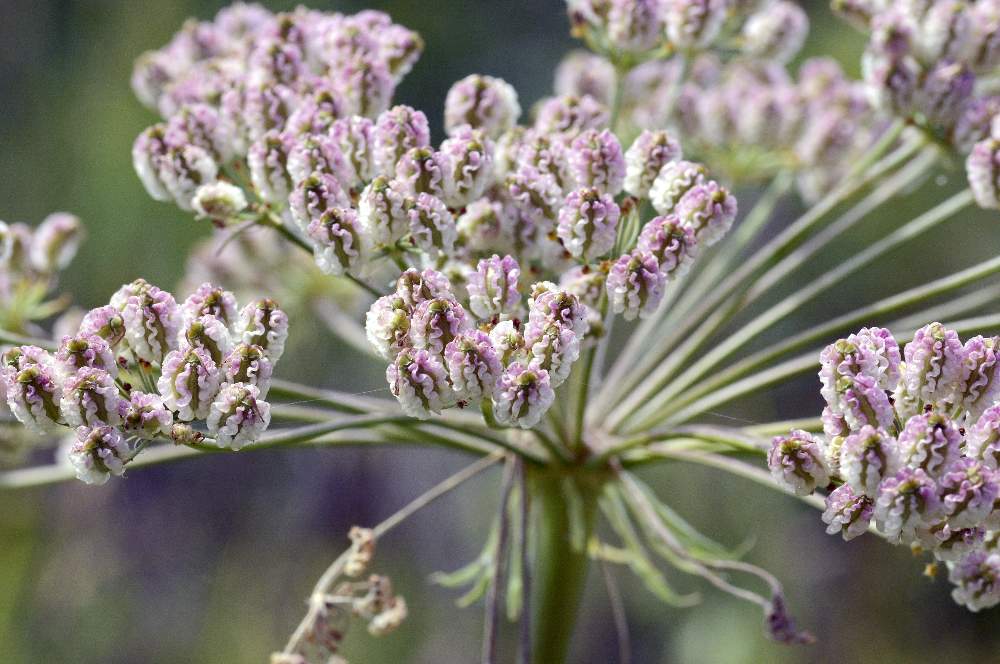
point(724, 300)
point(561, 570)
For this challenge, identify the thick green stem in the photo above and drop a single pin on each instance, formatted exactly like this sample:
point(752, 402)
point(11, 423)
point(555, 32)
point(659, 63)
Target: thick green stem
point(561, 564)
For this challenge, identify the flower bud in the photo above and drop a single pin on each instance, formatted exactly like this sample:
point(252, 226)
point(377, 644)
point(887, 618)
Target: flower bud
point(931, 442)
point(275, 61)
point(982, 48)
point(508, 342)
point(432, 225)
point(945, 31)
point(871, 352)
point(776, 32)
point(152, 319)
point(867, 457)
point(152, 73)
point(400, 48)
point(397, 131)
point(265, 110)
point(202, 125)
point(247, 363)
point(381, 211)
point(493, 287)
point(674, 180)
point(389, 619)
point(551, 304)
point(362, 551)
point(105, 322)
point(421, 171)
point(149, 151)
point(365, 87)
point(535, 195)
point(635, 285)
point(98, 453)
point(948, 543)
point(977, 580)
point(415, 286)
point(863, 403)
point(857, 12)
point(355, 136)
point(33, 391)
point(847, 513)
point(436, 323)
point(983, 440)
point(932, 369)
point(55, 242)
point(387, 326)
point(709, 209)
point(596, 160)
point(419, 380)
point(584, 73)
point(314, 196)
point(85, 350)
point(311, 154)
point(906, 501)
point(635, 26)
point(973, 124)
point(316, 112)
point(983, 170)
point(892, 75)
point(263, 324)
point(646, 157)
point(694, 24)
point(797, 463)
point(570, 114)
point(968, 491)
point(268, 163)
point(238, 416)
point(978, 386)
point(188, 383)
point(183, 170)
point(522, 396)
point(554, 348)
point(467, 162)
point(473, 365)
point(218, 201)
point(209, 333)
point(144, 415)
point(90, 398)
point(481, 225)
point(337, 239)
point(210, 300)
point(946, 89)
point(672, 243)
point(481, 102)
point(588, 223)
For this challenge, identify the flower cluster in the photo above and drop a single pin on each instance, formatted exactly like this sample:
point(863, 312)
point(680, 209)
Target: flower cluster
point(202, 360)
point(639, 29)
point(30, 261)
point(753, 119)
point(244, 91)
point(911, 449)
point(494, 202)
point(545, 201)
point(371, 599)
point(443, 354)
point(923, 61)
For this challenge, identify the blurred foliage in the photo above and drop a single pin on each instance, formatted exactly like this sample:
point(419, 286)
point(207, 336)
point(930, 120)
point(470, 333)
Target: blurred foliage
point(211, 561)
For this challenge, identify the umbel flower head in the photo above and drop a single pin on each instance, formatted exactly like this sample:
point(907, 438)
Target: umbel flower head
point(926, 475)
point(494, 259)
point(109, 383)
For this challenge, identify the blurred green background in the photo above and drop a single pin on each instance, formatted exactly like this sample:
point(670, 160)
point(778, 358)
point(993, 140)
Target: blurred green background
point(211, 561)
